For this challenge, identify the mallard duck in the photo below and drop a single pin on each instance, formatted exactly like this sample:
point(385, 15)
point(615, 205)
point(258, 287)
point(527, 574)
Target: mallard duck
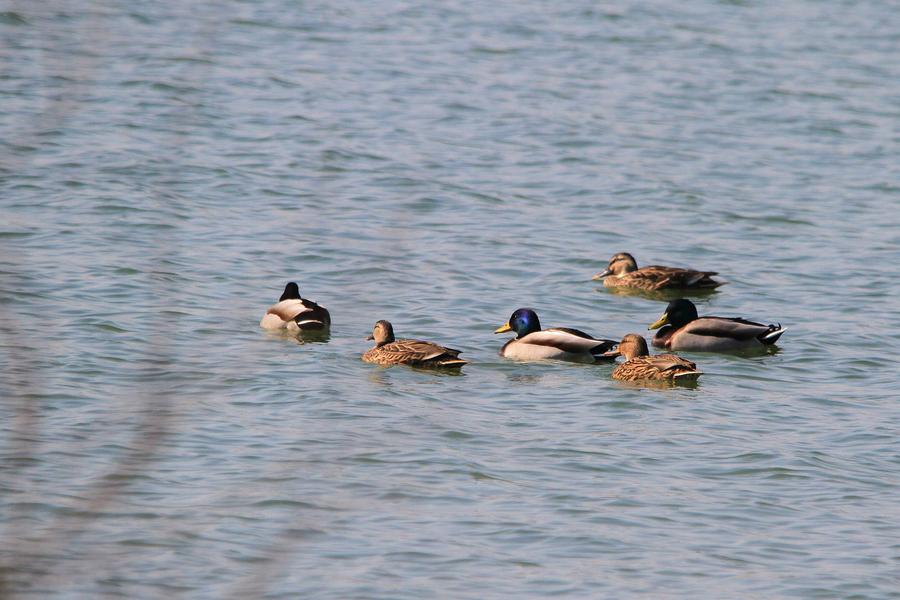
point(682, 329)
point(640, 365)
point(559, 343)
point(295, 313)
point(390, 351)
point(623, 271)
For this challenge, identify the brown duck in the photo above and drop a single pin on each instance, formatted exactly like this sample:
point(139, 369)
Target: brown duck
point(417, 353)
point(623, 271)
point(640, 365)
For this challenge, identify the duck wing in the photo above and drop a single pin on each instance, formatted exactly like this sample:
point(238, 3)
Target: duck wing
point(666, 362)
point(288, 310)
point(569, 340)
point(738, 329)
point(417, 351)
point(659, 277)
point(313, 315)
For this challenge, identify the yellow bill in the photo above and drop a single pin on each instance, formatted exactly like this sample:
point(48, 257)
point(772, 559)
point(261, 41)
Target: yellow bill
point(503, 328)
point(663, 320)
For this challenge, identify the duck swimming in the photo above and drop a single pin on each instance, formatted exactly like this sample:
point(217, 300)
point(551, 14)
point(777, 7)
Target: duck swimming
point(623, 271)
point(682, 329)
point(391, 351)
point(294, 313)
point(640, 365)
point(558, 343)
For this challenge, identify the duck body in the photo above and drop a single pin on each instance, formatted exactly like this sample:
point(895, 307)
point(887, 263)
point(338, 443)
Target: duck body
point(639, 365)
point(623, 271)
point(294, 313)
point(557, 343)
point(682, 329)
point(417, 353)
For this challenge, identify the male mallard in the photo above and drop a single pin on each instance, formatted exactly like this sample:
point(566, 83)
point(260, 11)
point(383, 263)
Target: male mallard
point(295, 313)
point(623, 271)
point(560, 343)
point(685, 331)
point(389, 351)
point(640, 365)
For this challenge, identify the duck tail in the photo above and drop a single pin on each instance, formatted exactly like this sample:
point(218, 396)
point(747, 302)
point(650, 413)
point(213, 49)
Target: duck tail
point(604, 353)
point(704, 280)
point(771, 336)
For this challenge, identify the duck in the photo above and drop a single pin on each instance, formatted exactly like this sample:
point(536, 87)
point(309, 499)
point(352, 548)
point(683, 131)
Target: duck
point(418, 353)
point(623, 271)
point(640, 365)
point(294, 313)
point(557, 343)
point(681, 329)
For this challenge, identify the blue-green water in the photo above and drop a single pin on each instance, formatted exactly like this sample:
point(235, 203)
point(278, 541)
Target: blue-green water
point(166, 167)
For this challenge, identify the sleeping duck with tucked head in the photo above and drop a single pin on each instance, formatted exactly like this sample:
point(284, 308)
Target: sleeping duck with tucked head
point(294, 313)
point(639, 365)
point(416, 353)
point(623, 271)
point(681, 329)
point(557, 343)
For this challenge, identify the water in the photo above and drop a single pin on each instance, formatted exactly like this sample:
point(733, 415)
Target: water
point(166, 168)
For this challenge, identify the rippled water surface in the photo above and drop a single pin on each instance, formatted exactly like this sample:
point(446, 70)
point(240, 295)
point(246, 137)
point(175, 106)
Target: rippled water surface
point(166, 167)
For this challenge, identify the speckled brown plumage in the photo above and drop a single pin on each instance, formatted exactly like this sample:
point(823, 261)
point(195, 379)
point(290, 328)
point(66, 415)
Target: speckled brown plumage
point(624, 272)
point(639, 365)
point(390, 351)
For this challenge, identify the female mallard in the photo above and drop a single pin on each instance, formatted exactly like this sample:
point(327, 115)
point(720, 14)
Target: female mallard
point(685, 331)
point(560, 343)
point(389, 351)
point(295, 313)
point(640, 365)
point(623, 271)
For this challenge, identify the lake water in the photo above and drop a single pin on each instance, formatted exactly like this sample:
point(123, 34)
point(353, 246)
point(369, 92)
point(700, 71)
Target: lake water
point(166, 167)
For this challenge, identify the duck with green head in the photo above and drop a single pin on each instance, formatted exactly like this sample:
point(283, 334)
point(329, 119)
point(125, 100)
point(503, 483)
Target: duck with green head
point(681, 329)
point(623, 271)
point(557, 343)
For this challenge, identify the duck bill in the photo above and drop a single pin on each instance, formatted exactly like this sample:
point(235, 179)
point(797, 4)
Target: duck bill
point(602, 274)
point(663, 320)
point(503, 328)
point(612, 353)
point(370, 337)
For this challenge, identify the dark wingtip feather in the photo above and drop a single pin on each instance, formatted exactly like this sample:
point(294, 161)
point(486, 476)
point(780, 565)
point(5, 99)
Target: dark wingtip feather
point(451, 363)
